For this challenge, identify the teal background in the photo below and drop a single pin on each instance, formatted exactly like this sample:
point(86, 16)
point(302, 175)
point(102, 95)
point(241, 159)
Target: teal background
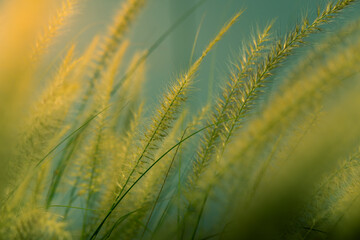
point(172, 56)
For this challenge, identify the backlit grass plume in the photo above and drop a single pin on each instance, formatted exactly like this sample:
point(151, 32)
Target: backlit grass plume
point(162, 120)
point(54, 26)
point(86, 152)
point(116, 34)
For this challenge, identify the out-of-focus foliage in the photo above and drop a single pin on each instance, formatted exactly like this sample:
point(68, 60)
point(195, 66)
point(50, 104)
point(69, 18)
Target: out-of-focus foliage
point(85, 155)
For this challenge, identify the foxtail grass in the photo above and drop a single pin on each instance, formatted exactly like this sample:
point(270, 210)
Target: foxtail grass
point(86, 154)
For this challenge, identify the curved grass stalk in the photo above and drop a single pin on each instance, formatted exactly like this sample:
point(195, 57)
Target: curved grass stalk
point(166, 173)
point(279, 52)
point(226, 106)
point(130, 72)
point(145, 192)
point(124, 217)
point(150, 167)
point(123, 148)
point(123, 19)
point(96, 152)
point(196, 39)
point(58, 145)
point(73, 137)
point(72, 140)
point(249, 89)
point(288, 106)
point(281, 114)
point(141, 176)
point(196, 122)
point(123, 176)
point(156, 44)
point(42, 173)
point(145, 172)
point(172, 101)
point(225, 110)
point(161, 188)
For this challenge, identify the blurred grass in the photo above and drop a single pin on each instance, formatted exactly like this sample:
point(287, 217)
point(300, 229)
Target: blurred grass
point(168, 125)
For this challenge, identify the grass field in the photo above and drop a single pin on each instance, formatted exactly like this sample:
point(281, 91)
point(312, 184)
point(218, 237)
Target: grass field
point(87, 153)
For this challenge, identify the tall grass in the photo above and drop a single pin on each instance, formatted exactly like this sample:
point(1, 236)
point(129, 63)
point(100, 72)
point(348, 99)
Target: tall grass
point(275, 156)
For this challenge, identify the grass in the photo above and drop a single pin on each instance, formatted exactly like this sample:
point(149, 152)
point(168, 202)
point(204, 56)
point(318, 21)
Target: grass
point(273, 156)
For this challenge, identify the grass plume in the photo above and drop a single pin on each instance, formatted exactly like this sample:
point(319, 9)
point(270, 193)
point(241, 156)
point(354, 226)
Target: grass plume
point(90, 155)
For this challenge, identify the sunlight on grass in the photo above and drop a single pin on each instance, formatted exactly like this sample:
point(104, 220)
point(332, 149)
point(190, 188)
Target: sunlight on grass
point(84, 154)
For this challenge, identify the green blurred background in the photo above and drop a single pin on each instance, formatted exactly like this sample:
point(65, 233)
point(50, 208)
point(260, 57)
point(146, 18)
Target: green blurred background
point(172, 57)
